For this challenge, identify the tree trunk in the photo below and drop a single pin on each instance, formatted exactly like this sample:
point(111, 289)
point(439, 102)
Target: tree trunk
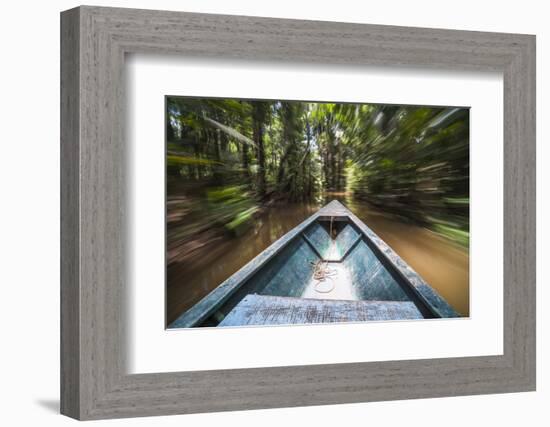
point(338, 166)
point(170, 134)
point(245, 162)
point(282, 162)
point(259, 140)
point(198, 156)
point(217, 156)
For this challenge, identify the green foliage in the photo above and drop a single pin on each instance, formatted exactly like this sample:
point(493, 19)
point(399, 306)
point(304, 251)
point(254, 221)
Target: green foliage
point(178, 160)
point(406, 160)
point(232, 206)
point(414, 162)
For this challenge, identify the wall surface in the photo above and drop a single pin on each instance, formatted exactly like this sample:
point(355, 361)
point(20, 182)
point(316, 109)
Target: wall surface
point(29, 217)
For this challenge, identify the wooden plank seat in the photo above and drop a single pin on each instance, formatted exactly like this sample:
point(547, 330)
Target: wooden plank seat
point(274, 310)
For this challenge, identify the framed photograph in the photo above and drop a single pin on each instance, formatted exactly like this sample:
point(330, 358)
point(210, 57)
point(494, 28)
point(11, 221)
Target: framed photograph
point(262, 213)
point(258, 175)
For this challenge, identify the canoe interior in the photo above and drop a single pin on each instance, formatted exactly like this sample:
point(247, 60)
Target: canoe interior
point(359, 283)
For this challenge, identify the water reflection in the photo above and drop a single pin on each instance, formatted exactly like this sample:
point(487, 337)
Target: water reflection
point(443, 264)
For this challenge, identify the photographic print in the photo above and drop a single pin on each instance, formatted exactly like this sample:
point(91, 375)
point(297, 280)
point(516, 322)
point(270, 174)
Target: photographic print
point(282, 212)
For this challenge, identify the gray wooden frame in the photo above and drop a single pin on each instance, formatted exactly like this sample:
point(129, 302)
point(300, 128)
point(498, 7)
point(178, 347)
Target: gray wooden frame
point(94, 382)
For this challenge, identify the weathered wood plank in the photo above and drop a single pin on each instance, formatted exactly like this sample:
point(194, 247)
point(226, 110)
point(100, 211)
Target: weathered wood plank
point(269, 310)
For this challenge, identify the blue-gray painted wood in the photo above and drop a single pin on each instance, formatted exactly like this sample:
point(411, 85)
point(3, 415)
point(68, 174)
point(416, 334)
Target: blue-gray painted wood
point(346, 239)
point(260, 310)
point(290, 272)
point(371, 278)
point(319, 237)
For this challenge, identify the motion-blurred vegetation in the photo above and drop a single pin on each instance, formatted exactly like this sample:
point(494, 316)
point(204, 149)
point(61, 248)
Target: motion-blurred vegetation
point(228, 160)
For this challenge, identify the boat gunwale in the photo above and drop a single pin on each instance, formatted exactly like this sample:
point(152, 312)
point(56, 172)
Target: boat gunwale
point(409, 277)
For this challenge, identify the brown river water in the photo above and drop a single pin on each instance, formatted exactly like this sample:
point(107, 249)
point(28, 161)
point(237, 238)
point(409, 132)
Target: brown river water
point(442, 263)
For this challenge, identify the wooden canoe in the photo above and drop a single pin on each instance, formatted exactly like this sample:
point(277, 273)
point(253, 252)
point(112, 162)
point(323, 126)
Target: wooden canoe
point(330, 268)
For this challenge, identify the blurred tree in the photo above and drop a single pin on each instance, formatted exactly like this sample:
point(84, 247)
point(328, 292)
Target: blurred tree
point(410, 161)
